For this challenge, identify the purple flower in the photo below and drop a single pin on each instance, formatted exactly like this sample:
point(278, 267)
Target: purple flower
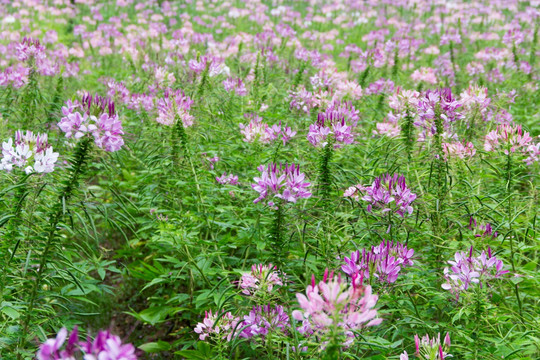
point(264, 319)
point(285, 182)
point(466, 270)
point(440, 103)
point(227, 179)
point(104, 347)
point(337, 121)
point(387, 193)
point(334, 303)
point(95, 116)
point(384, 262)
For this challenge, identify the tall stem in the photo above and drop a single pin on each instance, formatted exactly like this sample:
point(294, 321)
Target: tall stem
point(78, 166)
point(510, 213)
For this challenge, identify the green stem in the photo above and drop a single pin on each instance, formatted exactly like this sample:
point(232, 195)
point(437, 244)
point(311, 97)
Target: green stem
point(78, 166)
point(510, 212)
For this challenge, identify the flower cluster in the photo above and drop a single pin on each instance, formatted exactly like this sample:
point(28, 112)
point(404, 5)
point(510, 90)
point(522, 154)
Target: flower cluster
point(29, 151)
point(95, 116)
point(285, 182)
point(256, 130)
point(430, 349)
point(261, 277)
point(507, 138)
point(384, 262)
point(475, 101)
point(223, 326)
point(333, 303)
point(434, 104)
point(466, 270)
point(104, 347)
point(235, 84)
point(227, 179)
point(458, 149)
point(387, 193)
point(337, 121)
point(264, 319)
point(485, 230)
point(173, 107)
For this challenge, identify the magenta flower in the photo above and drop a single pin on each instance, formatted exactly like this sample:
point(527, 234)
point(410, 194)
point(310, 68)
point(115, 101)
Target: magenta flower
point(104, 347)
point(387, 193)
point(333, 302)
point(466, 270)
point(264, 319)
point(383, 262)
point(261, 278)
point(285, 182)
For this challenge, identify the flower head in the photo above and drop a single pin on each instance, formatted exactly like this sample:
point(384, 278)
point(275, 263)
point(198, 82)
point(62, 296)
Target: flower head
point(388, 193)
point(285, 182)
point(29, 151)
point(333, 302)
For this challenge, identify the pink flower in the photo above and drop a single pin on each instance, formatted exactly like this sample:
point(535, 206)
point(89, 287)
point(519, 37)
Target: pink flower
point(211, 326)
point(507, 138)
point(333, 302)
point(261, 278)
point(285, 182)
point(459, 150)
point(227, 179)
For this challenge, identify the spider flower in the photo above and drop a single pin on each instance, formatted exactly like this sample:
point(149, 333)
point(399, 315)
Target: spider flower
point(29, 151)
point(105, 346)
point(335, 303)
point(94, 116)
point(285, 182)
point(507, 138)
point(214, 325)
point(431, 348)
point(262, 320)
point(459, 150)
point(383, 262)
point(262, 277)
point(387, 193)
point(466, 270)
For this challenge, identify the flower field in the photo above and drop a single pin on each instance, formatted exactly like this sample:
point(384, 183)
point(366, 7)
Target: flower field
point(269, 179)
